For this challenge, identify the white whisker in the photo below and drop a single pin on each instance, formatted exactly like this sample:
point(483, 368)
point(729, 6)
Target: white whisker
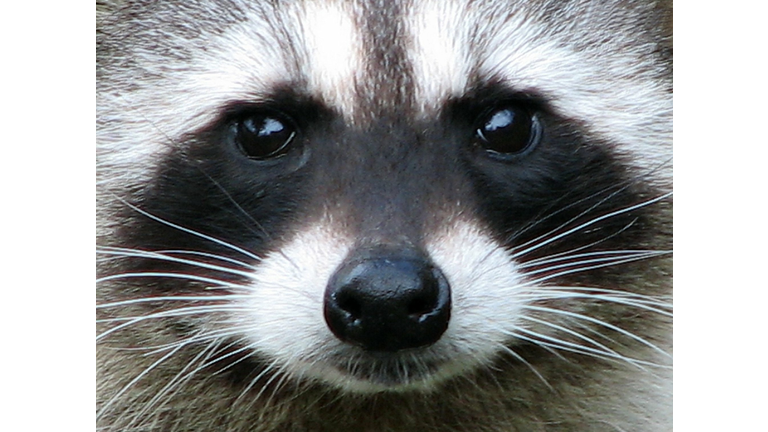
point(543, 240)
point(520, 358)
point(171, 299)
point(607, 260)
point(601, 201)
point(657, 300)
point(600, 323)
point(558, 344)
point(567, 256)
point(267, 369)
point(200, 337)
point(570, 332)
point(540, 280)
point(133, 253)
point(185, 311)
point(130, 384)
point(177, 379)
point(215, 282)
point(206, 255)
point(191, 231)
point(640, 304)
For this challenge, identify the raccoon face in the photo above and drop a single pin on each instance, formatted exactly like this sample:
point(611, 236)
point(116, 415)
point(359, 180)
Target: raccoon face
point(385, 198)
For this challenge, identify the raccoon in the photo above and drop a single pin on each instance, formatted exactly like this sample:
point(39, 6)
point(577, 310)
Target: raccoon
point(370, 215)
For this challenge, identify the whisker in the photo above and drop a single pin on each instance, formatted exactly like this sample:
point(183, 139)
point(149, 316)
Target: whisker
point(130, 384)
point(621, 187)
point(190, 231)
point(192, 310)
point(514, 354)
point(618, 189)
point(595, 261)
point(280, 375)
point(539, 242)
point(570, 332)
point(207, 255)
point(177, 379)
point(223, 357)
point(640, 304)
point(201, 337)
point(658, 300)
point(267, 369)
point(169, 298)
point(565, 256)
point(588, 268)
point(598, 322)
point(558, 344)
point(237, 206)
point(166, 256)
point(217, 283)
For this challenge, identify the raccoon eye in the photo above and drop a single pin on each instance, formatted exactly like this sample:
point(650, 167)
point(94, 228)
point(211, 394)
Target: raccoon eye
point(264, 135)
point(507, 131)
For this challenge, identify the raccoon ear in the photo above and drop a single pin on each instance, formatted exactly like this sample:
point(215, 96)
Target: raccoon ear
point(263, 135)
point(508, 130)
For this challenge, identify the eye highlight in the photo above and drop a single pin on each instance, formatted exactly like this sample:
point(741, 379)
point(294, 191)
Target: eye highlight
point(264, 135)
point(507, 131)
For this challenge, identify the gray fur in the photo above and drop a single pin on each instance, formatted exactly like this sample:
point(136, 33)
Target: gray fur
point(167, 70)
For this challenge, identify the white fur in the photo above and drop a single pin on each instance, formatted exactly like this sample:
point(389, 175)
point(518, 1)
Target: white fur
point(439, 52)
point(486, 289)
point(332, 46)
point(285, 306)
point(143, 127)
point(286, 303)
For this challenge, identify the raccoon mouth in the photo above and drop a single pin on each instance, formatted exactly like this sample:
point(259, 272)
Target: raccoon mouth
point(389, 371)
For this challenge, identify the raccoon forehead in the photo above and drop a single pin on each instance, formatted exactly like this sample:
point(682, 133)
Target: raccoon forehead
point(312, 47)
point(332, 56)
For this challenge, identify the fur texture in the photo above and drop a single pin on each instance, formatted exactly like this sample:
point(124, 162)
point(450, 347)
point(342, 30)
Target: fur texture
point(215, 260)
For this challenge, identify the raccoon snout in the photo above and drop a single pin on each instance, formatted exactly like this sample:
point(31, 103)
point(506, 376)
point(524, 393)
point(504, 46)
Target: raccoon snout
point(388, 303)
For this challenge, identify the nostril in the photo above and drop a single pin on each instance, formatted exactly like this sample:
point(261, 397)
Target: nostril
point(421, 306)
point(349, 304)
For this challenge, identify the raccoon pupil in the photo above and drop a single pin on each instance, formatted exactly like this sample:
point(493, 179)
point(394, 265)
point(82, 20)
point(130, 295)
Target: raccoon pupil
point(507, 131)
point(264, 136)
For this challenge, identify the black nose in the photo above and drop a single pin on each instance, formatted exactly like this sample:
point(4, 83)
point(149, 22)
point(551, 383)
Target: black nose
point(388, 303)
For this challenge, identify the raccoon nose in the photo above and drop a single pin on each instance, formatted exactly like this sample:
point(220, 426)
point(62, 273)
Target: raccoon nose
point(388, 303)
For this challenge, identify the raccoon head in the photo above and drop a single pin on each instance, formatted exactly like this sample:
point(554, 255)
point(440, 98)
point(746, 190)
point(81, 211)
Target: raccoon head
point(384, 198)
